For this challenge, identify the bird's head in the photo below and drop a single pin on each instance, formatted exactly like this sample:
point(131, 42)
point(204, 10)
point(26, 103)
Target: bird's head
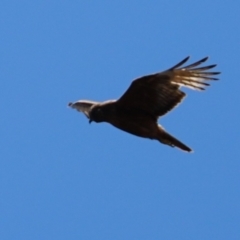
point(95, 111)
point(96, 114)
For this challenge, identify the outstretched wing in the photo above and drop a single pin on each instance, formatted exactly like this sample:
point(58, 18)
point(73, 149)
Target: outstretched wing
point(158, 93)
point(83, 106)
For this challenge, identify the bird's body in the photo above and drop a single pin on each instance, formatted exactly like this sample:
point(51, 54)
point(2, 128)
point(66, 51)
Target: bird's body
point(147, 99)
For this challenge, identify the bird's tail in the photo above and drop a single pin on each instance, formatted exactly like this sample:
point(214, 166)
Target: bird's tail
point(166, 138)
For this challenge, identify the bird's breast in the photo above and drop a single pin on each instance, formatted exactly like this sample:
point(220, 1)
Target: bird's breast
point(133, 122)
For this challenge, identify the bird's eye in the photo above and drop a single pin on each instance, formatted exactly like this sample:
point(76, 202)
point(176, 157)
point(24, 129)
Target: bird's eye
point(98, 111)
point(97, 114)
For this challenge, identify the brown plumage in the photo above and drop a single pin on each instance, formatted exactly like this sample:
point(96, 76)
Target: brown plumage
point(148, 98)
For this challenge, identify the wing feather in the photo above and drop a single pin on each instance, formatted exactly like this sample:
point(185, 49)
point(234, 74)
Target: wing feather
point(157, 94)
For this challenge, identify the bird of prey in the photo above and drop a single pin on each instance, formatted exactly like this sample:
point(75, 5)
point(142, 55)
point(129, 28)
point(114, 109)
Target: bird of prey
point(148, 98)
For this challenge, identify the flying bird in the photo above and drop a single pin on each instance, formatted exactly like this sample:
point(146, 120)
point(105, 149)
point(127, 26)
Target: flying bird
point(148, 98)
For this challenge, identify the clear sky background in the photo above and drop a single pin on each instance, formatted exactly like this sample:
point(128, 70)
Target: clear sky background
point(61, 178)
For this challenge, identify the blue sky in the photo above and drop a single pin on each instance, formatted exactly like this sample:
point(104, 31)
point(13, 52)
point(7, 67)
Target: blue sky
point(61, 178)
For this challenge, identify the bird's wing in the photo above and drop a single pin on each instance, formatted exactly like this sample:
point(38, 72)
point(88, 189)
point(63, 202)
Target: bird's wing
point(83, 106)
point(156, 94)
